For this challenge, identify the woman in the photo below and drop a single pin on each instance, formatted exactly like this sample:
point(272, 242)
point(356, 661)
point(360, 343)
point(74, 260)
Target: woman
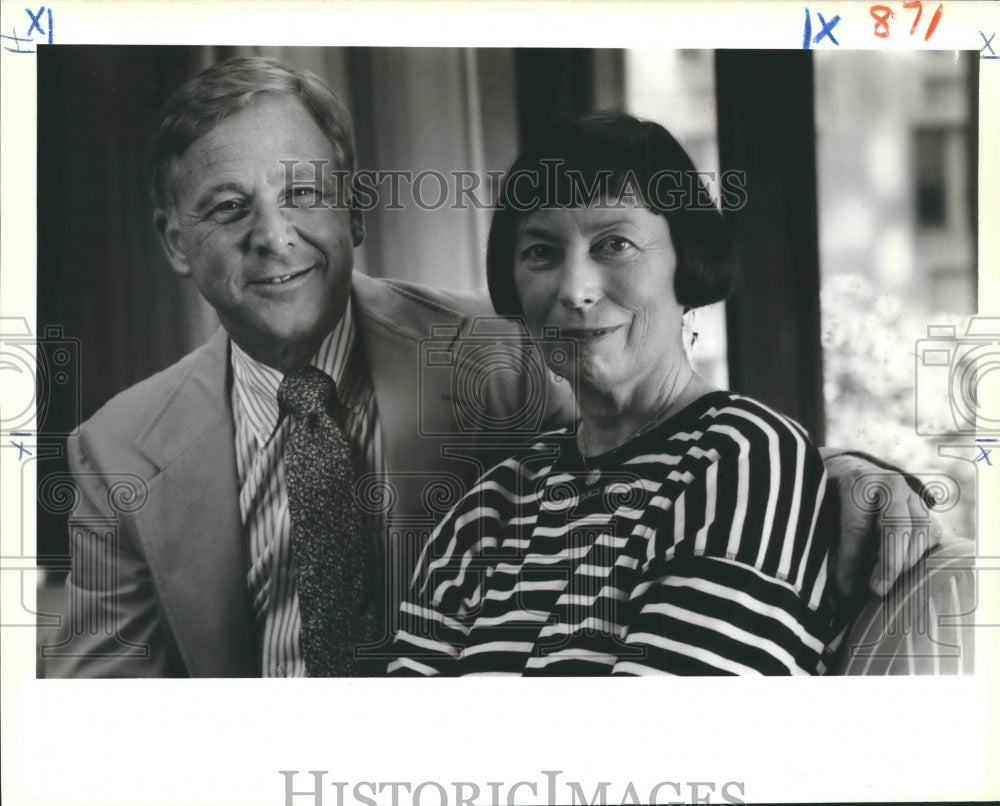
point(676, 530)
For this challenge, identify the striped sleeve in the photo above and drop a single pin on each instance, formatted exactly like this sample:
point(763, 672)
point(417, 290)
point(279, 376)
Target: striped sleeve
point(736, 583)
point(447, 587)
point(430, 632)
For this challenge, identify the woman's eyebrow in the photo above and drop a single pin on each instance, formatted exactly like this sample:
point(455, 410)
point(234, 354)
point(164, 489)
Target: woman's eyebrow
point(589, 228)
point(608, 223)
point(536, 232)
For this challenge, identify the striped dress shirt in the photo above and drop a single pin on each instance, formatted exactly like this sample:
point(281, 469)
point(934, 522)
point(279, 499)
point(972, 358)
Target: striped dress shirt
point(692, 549)
point(261, 436)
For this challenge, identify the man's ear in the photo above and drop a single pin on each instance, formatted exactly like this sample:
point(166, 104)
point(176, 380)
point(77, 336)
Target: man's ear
point(167, 227)
point(357, 226)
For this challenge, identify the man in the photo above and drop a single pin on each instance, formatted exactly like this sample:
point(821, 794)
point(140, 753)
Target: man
point(222, 566)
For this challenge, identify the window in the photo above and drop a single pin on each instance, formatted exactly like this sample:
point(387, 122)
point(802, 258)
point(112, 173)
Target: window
point(896, 244)
point(930, 180)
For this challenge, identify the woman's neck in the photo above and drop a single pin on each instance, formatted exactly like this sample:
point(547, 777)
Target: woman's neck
point(609, 420)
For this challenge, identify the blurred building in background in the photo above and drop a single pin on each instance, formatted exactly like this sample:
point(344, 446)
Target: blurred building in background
point(896, 158)
point(896, 176)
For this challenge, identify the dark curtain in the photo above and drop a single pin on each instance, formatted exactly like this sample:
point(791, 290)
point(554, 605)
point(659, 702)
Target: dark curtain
point(766, 129)
point(552, 83)
point(103, 282)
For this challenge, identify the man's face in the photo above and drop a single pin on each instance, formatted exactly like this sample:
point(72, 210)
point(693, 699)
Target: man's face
point(271, 253)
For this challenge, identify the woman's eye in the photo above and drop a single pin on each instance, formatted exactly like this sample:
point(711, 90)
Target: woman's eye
point(537, 252)
point(614, 245)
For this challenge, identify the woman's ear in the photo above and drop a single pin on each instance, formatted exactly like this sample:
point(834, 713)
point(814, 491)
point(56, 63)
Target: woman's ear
point(357, 226)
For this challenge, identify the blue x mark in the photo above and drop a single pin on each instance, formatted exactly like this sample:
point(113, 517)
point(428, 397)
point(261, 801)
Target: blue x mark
point(36, 25)
point(20, 445)
point(827, 30)
point(988, 43)
point(34, 20)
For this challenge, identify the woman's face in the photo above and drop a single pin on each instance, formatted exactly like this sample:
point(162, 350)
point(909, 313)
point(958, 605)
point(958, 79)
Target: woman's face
point(604, 276)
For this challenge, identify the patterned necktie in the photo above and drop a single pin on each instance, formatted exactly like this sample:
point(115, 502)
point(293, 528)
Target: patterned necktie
point(331, 552)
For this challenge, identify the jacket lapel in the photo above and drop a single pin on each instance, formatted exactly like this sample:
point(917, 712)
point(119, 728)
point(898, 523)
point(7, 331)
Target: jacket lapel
point(191, 528)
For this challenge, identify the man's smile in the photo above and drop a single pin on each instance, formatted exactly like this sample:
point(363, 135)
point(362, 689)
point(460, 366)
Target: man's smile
point(282, 279)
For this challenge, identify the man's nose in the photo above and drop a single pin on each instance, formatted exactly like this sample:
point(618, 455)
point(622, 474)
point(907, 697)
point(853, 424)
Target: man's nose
point(272, 231)
point(581, 281)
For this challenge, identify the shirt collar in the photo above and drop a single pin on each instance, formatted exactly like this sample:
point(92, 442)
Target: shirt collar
point(256, 384)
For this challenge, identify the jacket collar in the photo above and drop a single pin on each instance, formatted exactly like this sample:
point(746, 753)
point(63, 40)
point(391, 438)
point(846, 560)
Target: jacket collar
point(190, 527)
point(198, 405)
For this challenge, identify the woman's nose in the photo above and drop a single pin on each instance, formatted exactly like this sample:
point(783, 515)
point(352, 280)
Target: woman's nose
point(272, 231)
point(581, 286)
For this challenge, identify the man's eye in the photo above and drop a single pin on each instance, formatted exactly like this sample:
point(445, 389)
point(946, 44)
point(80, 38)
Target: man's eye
point(228, 210)
point(305, 194)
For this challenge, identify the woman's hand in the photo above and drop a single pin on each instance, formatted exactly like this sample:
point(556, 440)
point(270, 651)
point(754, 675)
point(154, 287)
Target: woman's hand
point(867, 493)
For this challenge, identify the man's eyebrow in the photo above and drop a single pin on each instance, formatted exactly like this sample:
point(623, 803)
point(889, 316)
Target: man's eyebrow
point(206, 196)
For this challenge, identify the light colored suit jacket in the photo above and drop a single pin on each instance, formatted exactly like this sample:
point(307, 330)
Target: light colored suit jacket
point(159, 580)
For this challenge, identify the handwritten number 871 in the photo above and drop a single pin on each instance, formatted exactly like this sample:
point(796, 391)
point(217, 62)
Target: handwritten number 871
point(881, 16)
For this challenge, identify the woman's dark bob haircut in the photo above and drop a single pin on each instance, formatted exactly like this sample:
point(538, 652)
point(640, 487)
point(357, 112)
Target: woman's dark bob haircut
point(613, 158)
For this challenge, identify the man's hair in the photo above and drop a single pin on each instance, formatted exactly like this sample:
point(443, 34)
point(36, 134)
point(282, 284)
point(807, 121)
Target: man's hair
point(599, 158)
point(226, 88)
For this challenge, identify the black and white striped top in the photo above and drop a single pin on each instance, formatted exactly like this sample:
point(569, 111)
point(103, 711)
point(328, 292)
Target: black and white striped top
point(696, 548)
